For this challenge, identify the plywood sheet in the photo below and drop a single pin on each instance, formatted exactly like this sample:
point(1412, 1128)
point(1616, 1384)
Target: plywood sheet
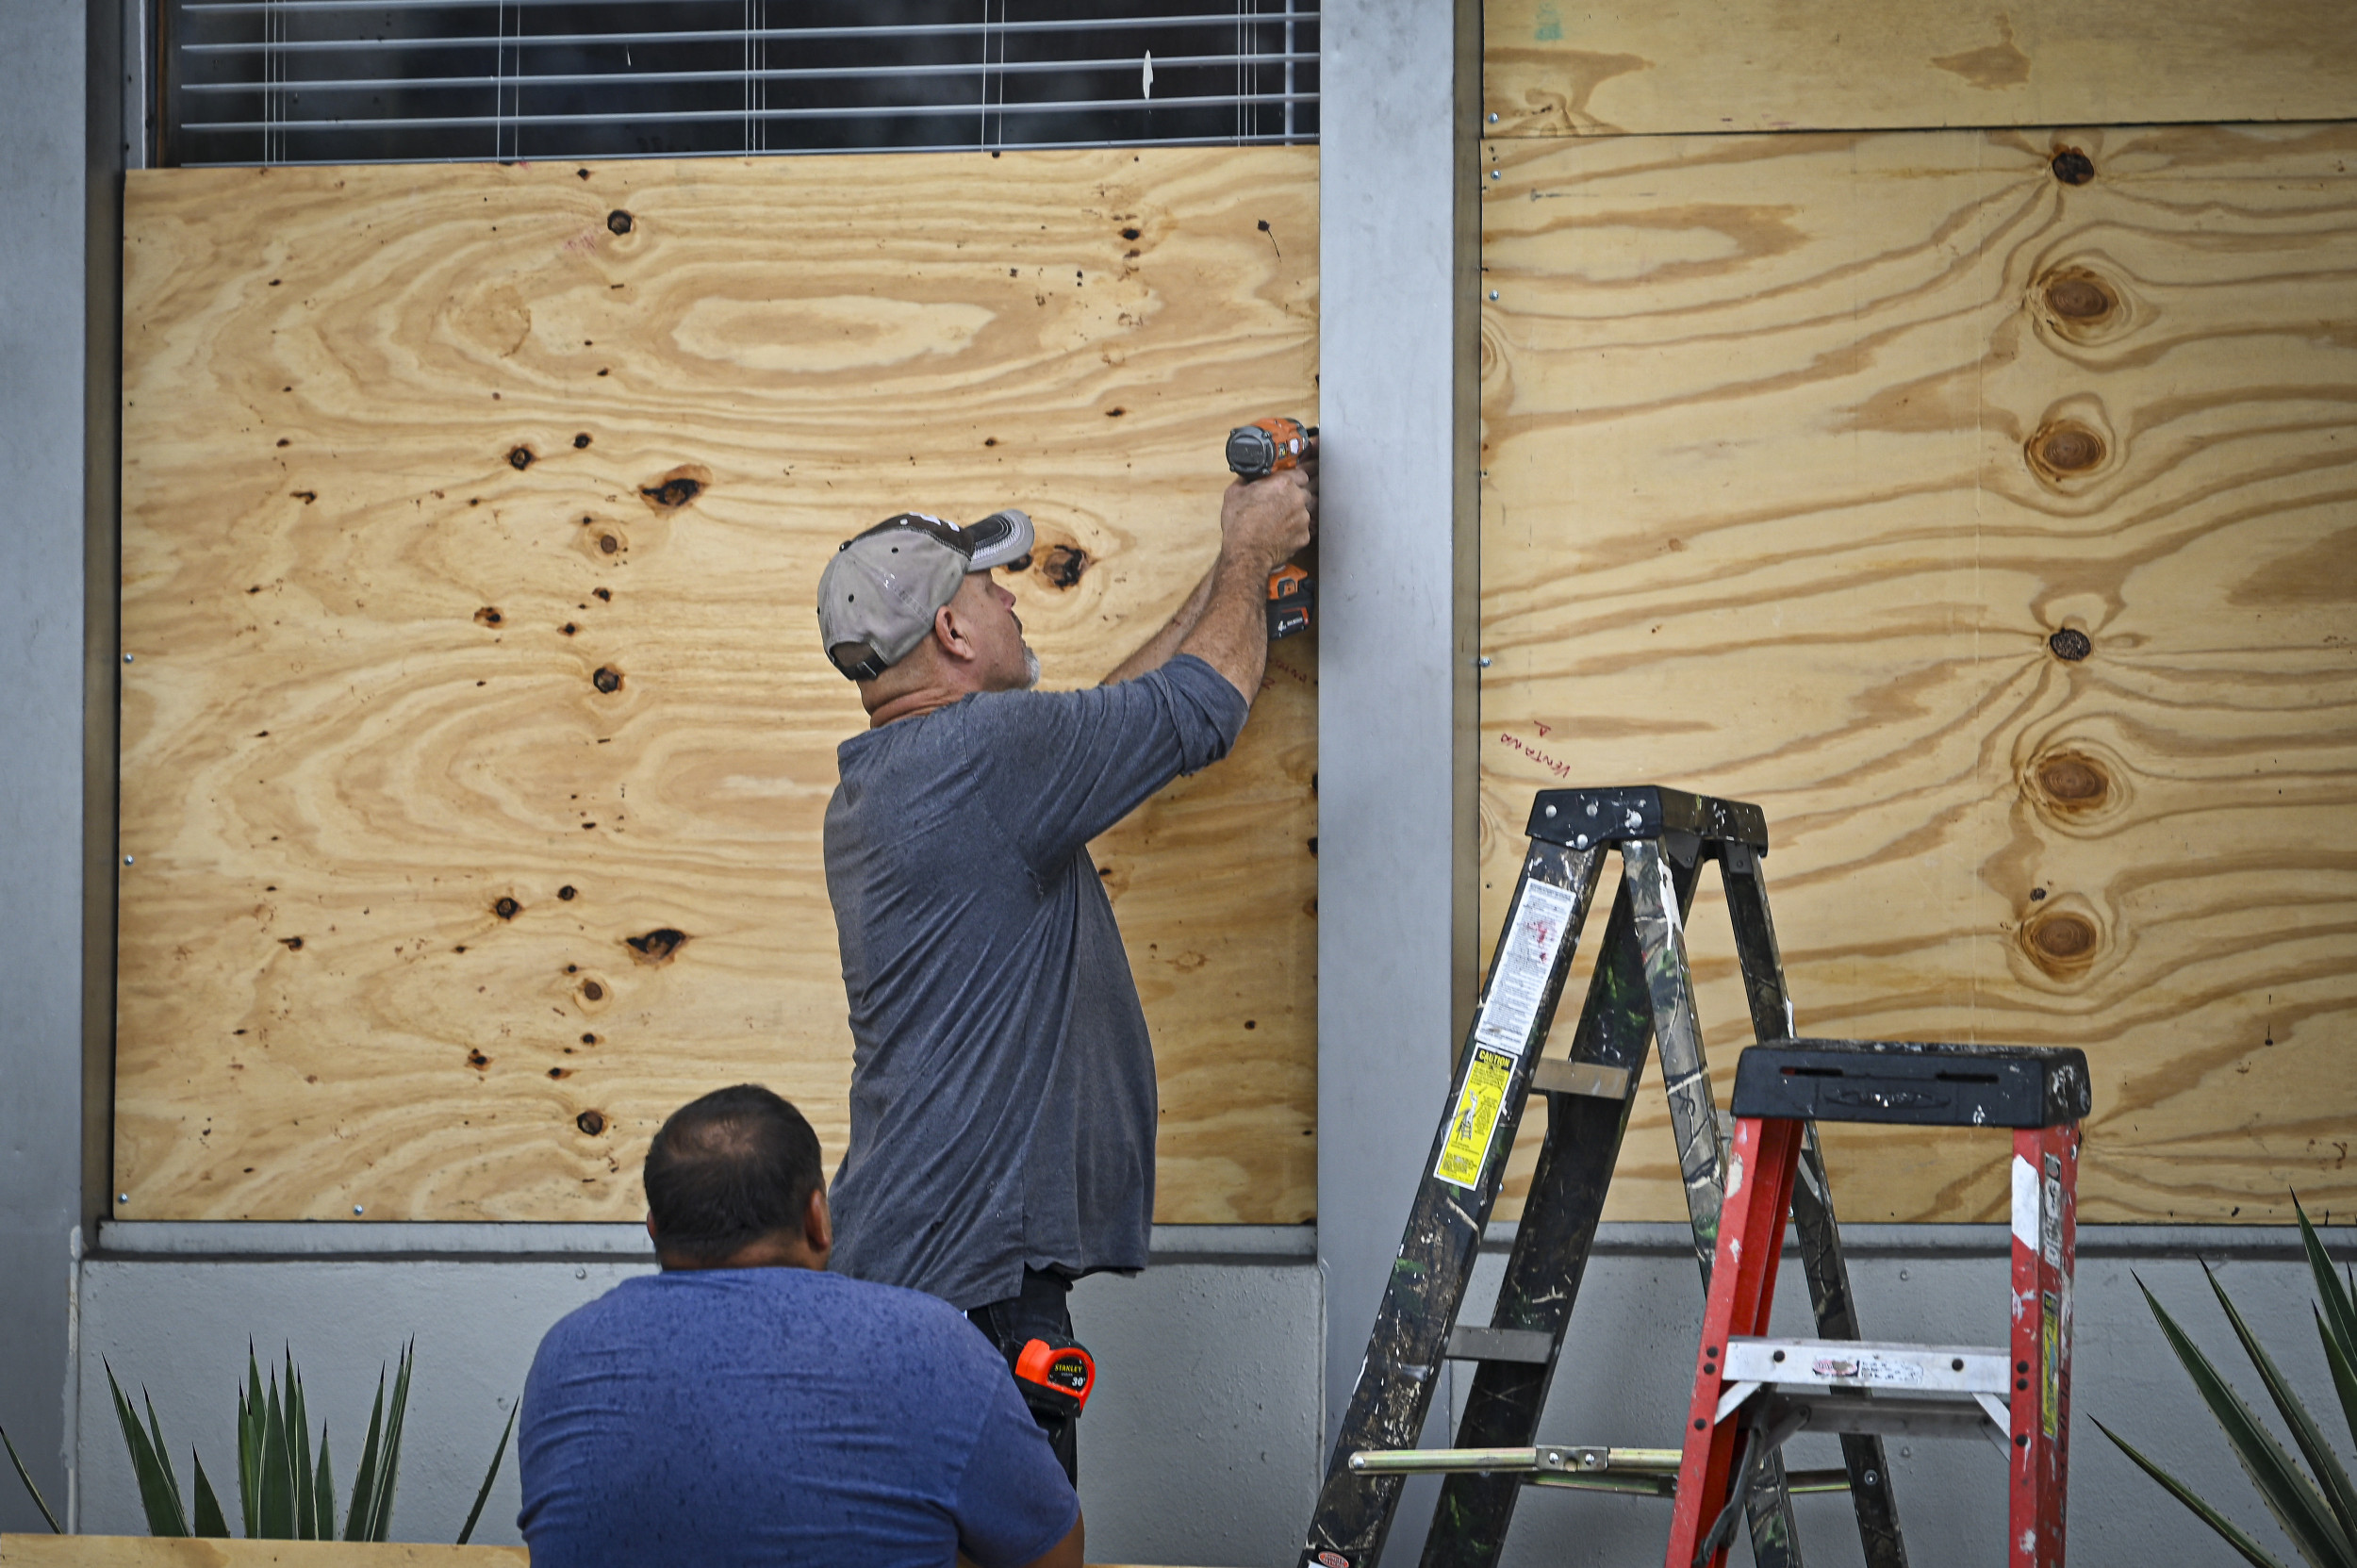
point(1557, 68)
point(472, 520)
point(1811, 463)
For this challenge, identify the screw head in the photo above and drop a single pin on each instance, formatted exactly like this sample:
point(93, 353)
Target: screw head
point(1493, 293)
point(1550, 811)
point(1873, 1478)
point(1484, 661)
point(1498, 174)
point(127, 859)
point(122, 1197)
point(126, 658)
point(1493, 119)
point(357, 1209)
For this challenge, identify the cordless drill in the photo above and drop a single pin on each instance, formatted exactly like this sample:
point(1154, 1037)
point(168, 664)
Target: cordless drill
point(1256, 451)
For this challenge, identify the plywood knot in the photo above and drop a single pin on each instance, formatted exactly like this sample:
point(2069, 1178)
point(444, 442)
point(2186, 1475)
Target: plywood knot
point(581, 440)
point(591, 1122)
point(2083, 305)
point(2077, 785)
point(2062, 943)
point(520, 456)
point(592, 991)
point(507, 909)
point(2081, 298)
point(1062, 564)
point(2065, 450)
point(476, 1060)
point(607, 679)
point(2071, 645)
point(2072, 166)
point(619, 221)
point(2073, 782)
point(678, 487)
point(488, 616)
point(657, 946)
point(565, 893)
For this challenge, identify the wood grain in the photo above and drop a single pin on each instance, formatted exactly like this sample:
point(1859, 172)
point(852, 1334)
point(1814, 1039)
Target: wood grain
point(1554, 68)
point(472, 522)
point(1810, 457)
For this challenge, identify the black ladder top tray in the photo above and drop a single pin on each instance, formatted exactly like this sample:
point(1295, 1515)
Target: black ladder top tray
point(1913, 1084)
point(1578, 818)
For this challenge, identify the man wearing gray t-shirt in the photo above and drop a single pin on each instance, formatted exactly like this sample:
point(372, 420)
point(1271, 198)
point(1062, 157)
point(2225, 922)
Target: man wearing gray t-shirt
point(1002, 1083)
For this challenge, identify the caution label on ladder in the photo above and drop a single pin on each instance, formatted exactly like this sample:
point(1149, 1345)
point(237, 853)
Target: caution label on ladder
point(1525, 961)
point(1474, 1121)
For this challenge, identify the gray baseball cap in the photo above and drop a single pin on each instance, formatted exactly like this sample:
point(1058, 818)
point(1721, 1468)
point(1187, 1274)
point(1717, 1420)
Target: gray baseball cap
point(876, 598)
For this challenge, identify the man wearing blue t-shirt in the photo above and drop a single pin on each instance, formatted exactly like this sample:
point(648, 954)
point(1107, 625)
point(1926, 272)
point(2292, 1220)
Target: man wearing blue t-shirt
point(1002, 1083)
point(745, 1407)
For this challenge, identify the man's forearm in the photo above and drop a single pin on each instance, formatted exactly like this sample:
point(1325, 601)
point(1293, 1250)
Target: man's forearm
point(1232, 634)
point(1160, 649)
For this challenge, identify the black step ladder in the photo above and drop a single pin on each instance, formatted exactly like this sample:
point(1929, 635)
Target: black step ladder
point(1642, 989)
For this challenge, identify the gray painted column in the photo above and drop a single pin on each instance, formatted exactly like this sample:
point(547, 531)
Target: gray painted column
point(57, 80)
point(1398, 265)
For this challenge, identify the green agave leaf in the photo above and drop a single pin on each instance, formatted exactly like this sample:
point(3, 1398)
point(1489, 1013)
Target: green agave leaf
point(2344, 1367)
point(298, 1452)
point(277, 1492)
point(249, 1422)
point(323, 1506)
point(39, 1501)
point(155, 1436)
point(2283, 1486)
point(483, 1493)
point(210, 1522)
point(380, 1525)
point(2231, 1532)
point(2332, 1480)
point(157, 1496)
point(2340, 1311)
point(363, 1509)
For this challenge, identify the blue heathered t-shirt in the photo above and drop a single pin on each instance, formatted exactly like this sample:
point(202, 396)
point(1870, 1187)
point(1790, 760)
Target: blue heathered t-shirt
point(776, 1416)
point(1002, 1083)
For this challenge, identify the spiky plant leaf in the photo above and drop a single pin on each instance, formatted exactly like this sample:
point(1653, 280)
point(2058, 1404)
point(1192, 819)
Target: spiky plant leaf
point(158, 1497)
point(389, 1471)
point(2344, 1365)
point(171, 1479)
point(363, 1509)
point(323, 1484)
point(2332, 1480)
point(299, 1451)
point(210, 1522)
point(27, 1477)
point(2228, 1530)
point(483, 1493)
point(249, 1422)
point(2283, 1486)
point(2340, 1309)
point(278, 1504)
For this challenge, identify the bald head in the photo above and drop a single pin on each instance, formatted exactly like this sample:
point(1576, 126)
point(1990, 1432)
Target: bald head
point(732, 1181)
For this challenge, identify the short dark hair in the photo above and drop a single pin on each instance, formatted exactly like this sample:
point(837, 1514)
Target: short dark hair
point(727, 1169)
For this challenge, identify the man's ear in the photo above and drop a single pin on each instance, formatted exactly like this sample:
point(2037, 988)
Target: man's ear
point(949, 632)
point(819, 1225)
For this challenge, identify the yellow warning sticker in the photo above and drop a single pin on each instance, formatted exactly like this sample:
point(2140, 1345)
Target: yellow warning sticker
point(1474, 1121)
point(2050, 1350)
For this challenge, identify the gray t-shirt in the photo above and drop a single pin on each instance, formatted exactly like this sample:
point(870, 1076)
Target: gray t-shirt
point(1003, 1084)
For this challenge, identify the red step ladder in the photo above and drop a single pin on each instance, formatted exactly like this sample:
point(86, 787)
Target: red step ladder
point(1752, 1392)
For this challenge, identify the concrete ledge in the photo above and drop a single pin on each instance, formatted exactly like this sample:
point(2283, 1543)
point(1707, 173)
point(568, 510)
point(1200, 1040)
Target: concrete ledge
point(248, 1241)
point(1669, 1239)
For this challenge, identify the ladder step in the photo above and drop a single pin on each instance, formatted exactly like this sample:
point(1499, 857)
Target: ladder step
point(1529, 1346)
point(1556, 1076)
point(1863, 1363)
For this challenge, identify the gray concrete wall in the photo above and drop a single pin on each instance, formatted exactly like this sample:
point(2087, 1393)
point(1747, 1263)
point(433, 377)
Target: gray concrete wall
point(57, 192)
point(1201, 1446)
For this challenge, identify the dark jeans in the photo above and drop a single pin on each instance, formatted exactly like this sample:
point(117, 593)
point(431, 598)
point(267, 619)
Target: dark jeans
point(1044, 1307)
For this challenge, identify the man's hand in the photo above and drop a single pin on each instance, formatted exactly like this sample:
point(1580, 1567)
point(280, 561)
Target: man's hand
point(1224, 620)
point(1268, 520)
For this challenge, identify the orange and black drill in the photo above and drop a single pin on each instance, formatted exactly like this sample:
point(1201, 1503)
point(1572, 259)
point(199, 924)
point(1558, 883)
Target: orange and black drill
point(1256, 451)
